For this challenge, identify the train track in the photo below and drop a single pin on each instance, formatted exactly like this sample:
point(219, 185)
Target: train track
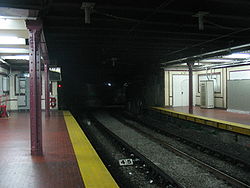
point(158, 176)
point(203, 148)
point(218, 173)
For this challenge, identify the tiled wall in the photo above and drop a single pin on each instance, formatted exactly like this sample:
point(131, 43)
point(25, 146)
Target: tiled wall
point(220, 97)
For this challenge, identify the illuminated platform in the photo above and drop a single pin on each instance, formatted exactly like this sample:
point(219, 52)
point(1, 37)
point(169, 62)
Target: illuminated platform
point(69, 160)
point(234, 122)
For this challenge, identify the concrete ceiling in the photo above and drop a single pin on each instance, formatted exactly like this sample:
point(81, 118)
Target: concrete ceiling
point(126, 36)
point(12, 30)
point(14, 49)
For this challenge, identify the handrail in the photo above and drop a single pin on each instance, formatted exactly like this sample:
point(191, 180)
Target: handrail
point(3, 106)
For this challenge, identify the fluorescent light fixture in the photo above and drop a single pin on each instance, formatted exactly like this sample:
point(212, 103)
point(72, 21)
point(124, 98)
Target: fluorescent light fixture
point(12, 24)
point(237, 56)
point(215, 60)
point(17, 57)
point(14, 50)
point(16, 13)
point(11, 40)
point(55, 69)
point(4, 20)
point(27, 75)
point(187, 65)
point(5, 23)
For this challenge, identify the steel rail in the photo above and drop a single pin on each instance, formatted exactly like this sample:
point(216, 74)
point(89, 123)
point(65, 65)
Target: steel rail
point(190, 141)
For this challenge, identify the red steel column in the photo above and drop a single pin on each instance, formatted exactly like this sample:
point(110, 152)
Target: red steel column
point(190, 70)
point(35, 87)
point(46, 72)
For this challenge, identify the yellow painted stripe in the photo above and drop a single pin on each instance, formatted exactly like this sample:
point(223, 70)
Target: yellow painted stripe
point(230, 126)
point(182, 116)
point(190, 118)
point(211, 123)
point(93, 171)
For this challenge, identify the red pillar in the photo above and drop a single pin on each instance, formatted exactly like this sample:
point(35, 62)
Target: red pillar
point(190, 70)
point(46, 72)
point(35, 28)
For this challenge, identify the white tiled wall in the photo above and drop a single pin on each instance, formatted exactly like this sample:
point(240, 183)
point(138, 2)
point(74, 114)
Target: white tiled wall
point(12, 104)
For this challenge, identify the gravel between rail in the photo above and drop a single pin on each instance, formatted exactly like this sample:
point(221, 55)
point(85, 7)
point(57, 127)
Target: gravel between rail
point(186, 173)
point(133, 178)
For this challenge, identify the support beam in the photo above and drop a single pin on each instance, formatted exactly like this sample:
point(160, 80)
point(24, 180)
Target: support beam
point(46, 72)
point(190, 70)
point(35, 28)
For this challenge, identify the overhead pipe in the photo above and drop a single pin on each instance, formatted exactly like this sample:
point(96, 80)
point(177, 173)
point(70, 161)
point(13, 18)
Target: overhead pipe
point(208, 54)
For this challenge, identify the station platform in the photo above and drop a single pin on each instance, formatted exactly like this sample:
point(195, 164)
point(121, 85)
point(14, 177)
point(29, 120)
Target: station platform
point(68, 158)
point(219, 118)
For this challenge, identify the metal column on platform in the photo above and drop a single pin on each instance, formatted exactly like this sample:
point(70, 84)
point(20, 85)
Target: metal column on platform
point(35, 28)
point(190, 70)
point(46, 72)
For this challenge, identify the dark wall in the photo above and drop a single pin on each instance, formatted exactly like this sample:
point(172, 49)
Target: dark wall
point(149, 91)
point(154, 90)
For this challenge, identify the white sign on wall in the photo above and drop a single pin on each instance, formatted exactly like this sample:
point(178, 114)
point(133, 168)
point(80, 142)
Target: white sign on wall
point(239, 75)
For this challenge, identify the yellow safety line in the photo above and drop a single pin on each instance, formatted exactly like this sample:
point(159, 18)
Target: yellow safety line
point(230, 126)
point(93, 171)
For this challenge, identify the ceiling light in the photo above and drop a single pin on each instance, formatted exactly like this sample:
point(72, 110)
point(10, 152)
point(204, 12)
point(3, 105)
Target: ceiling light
point(12, 24)
point(14, 50)
point(215, 60)
point(237, 56)
point(12, 40)
point(27, 75)
point(55, 69)
point(17, 57)
point(16, 13)
point(5, 23)
point(3, 20)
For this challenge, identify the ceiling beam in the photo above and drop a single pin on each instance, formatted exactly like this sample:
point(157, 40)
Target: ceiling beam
point(79, 20)
point(120, 42)
point(81, 37)
point(17, 33)
point(238, 2)
point(74, 29)
point(64, 46)
point(14, 46)
point(21, 4)
point(108, 8)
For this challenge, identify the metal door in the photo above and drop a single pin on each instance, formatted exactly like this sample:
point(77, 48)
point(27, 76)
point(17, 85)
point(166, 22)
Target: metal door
point(180, 90)
point(23, 93)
